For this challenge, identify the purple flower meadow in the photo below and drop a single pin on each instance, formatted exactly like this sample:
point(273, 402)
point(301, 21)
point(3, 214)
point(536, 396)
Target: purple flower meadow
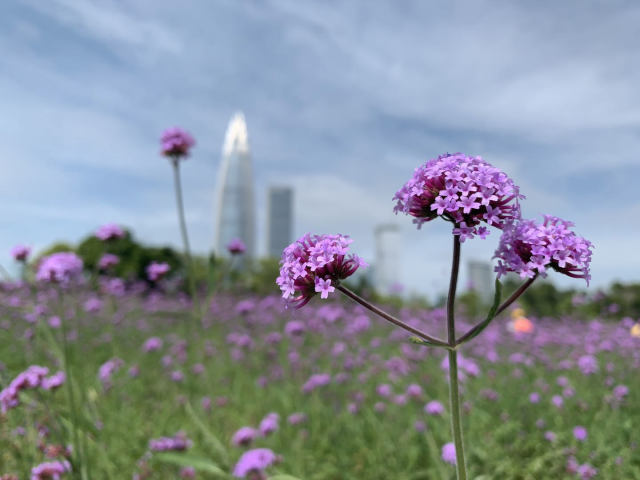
point(157, 270)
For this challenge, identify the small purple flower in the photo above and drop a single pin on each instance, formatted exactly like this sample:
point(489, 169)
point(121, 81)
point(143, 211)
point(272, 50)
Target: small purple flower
point(420, 426)
point(54, 381)
point(588, 364)
point(110, 231)
point(434, 407)
point(179, 442)
point(580, 433)
point(152, 344)
point(557, 401)
point(315, 264)
point(236, 247)
point(156, 270)
point(254, 462)
point(297, 418)
point(534, 397)
point(50, 470)
point(449, 453)
point(188, 472)
point(107, 261)
point(294, 328)
point(384, 390)
point(244, 436)
point(414, 391)
point(176, 143)
point(268, 425)
point(587, 471)
point(550, 436)
point(620, 391)
point(20, 253)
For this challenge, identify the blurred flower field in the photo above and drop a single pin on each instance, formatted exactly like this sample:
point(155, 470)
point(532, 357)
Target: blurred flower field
point(324, 392)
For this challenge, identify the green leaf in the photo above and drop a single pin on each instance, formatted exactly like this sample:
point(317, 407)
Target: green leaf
point(426, 343)
point(475, 331)
point(209, 437)
point(186, 460)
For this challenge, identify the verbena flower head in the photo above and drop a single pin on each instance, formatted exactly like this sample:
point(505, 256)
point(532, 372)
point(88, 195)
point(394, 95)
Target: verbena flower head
point(316, 264)
point(464, 190)
point(62, 268)
point(107, 261)
point(50, 470)
point(449, 453)
point(20, 253)
point(236, 247)
point(178, 443)
point(176, 143)
point(110, 231)
point(254, 461)
point(527, 247)
point(155, 271)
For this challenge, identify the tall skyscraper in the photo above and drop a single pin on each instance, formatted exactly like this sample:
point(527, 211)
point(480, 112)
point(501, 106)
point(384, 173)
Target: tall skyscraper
point(386, 273)
point(482, 280)
point(235, 206)
point(279, 220)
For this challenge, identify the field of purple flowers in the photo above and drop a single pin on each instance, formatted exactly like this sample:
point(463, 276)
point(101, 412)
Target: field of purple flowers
point(106, 379)
point(324, 392)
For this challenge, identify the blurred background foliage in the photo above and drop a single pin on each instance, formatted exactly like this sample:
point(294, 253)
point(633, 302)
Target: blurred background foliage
point(543, 299)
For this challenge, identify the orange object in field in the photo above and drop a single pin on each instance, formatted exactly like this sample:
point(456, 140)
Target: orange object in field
point(635, 330)
point(522, 325)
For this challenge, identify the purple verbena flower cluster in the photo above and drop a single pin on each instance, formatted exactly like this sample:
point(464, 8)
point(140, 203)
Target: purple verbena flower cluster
point(463, 190)
point(254, 461)
point(529, 248)
point(50, 470)
point(62, 268)
point(236, 247)
point(176, 142)
point(107, 261)
point(110, 231)
point(178, 443)
point(20, 253)
point(316, 264)
point(32, 377)
point(156, 270)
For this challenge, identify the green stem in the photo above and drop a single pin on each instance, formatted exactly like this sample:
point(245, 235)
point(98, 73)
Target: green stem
point(77, 453)
point(183, 230)
point(454, 392)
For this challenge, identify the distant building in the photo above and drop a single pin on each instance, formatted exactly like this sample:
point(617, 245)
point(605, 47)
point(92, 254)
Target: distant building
point(482, 280)
point(235, 206)
point(386, 274)
point(279, 220)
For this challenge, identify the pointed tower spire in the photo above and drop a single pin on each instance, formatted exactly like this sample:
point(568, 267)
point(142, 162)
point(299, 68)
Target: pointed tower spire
point(235, 204)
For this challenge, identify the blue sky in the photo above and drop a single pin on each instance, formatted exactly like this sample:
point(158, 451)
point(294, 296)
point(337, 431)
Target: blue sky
point(342, 99)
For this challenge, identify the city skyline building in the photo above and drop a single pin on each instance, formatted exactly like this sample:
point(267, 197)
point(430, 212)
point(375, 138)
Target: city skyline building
point(481, 280)
point(235, 196)
point(279, 220)
point(386, 274)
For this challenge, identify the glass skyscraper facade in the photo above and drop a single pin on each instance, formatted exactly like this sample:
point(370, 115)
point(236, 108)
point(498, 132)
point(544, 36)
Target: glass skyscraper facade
point(235, 199)
point(279, 220)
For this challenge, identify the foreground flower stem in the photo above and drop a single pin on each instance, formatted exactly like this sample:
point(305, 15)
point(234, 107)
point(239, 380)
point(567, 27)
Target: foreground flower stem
point(183, 230)
point(515, 295)
point(77, 448)
point(454, 393)
point(390, 318)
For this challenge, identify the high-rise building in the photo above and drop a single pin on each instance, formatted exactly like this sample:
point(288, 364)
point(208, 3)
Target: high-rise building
point(279, 220)
point(482, 280)
point(235, 205)
point(387, 264)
